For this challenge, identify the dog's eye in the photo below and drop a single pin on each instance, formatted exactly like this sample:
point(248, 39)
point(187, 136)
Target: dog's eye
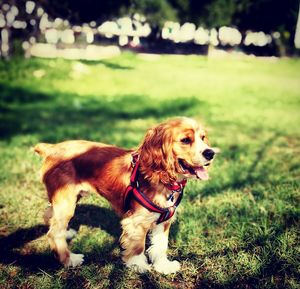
point(186, 140)
point(203, 137)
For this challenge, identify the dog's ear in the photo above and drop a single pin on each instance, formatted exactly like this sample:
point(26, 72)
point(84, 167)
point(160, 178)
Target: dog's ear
point(156, 152)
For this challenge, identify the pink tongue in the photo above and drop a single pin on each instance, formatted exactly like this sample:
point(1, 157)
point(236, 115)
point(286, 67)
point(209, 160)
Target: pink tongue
point(201, 173)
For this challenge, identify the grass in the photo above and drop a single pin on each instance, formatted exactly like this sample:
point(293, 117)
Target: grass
point(238, 230)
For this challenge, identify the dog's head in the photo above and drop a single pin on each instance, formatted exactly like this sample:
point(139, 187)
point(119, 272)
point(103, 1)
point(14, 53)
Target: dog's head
point(178, 147)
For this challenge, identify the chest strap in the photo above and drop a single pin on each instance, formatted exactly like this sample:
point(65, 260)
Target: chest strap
point(133, 191)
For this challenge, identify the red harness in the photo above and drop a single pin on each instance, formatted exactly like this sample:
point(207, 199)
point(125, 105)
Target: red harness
point(134, 191)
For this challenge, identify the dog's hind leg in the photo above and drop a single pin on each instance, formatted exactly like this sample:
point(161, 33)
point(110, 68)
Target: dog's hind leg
point(63, 208)
point(48, 215)
point(71, 233)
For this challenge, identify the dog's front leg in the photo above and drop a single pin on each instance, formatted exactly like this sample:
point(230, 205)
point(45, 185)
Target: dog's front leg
point(132, 241)
point(158, 250)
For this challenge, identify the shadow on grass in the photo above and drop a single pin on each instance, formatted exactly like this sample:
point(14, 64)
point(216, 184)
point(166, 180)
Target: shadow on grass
point(89, 215)
point(32, 261)
point(19, 96)
point(85, 214)
point(73, 280)
point(150, 282)
point(108, 64)
point(61, 116)
point(96, 217)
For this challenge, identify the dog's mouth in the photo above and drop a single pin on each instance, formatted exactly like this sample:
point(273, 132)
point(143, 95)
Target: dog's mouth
point(198, 171)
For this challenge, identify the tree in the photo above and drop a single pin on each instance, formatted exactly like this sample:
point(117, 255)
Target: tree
point(156, 11)
point(81, 11)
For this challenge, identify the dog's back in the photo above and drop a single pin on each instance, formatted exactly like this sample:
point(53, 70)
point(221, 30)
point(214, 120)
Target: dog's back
point(54, 154)
point(67, 149)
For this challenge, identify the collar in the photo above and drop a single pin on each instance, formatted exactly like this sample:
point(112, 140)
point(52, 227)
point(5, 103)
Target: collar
point(134, 191)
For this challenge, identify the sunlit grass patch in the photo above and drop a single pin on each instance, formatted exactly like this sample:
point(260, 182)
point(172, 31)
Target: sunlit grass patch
point(240, 229)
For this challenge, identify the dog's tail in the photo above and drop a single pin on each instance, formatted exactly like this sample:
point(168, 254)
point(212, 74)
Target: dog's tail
point(43, 149)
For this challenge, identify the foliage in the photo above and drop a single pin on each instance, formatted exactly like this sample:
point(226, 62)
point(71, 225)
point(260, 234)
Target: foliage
point(238, 230)
point(156, 11)
point(266, 15)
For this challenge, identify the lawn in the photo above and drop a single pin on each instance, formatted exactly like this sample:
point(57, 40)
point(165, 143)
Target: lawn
point(238, 230)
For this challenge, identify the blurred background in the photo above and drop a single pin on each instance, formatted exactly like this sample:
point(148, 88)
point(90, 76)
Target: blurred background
point(109, 70)
point(76, 29)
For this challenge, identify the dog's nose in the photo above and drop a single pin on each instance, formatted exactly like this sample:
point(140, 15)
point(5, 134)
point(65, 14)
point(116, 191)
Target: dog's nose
point(208, 154)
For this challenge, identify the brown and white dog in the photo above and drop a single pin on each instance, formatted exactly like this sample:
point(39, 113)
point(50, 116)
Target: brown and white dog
point(171, 151)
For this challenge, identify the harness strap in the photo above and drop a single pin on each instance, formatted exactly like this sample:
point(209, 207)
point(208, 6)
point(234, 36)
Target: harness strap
point(134, 164)
point(142, 199)
point(176, 186)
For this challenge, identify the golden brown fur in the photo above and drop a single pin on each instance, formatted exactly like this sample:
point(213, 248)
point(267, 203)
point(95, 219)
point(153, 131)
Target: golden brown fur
point(73, 167)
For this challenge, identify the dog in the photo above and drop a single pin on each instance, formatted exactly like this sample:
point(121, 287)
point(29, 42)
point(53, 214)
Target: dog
point(144, 187)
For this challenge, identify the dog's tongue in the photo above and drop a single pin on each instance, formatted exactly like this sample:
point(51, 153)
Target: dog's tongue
point(201, 173)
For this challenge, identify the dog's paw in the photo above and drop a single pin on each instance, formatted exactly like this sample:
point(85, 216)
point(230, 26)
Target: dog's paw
point(74, 260)
point(71, 233)
point(138, 263)
point(165, 266)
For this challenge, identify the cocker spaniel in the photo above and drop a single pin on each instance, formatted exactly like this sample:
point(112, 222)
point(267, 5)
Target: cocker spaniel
point(144, 186)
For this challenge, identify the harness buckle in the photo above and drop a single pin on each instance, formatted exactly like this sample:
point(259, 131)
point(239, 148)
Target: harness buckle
point(181, 187)
point(132, 163)
point(171, 197)
point(134, 159)
point(137, 184)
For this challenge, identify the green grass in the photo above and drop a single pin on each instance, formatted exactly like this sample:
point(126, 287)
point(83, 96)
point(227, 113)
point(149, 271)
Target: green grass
point(238, 230)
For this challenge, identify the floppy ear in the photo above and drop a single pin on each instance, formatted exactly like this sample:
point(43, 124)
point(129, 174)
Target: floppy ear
point(156, 153)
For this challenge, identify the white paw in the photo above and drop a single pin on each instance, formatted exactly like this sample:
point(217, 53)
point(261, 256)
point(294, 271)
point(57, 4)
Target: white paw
point(166, 267)
point(75, 260)
point(71, 233)
point(138, 263)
